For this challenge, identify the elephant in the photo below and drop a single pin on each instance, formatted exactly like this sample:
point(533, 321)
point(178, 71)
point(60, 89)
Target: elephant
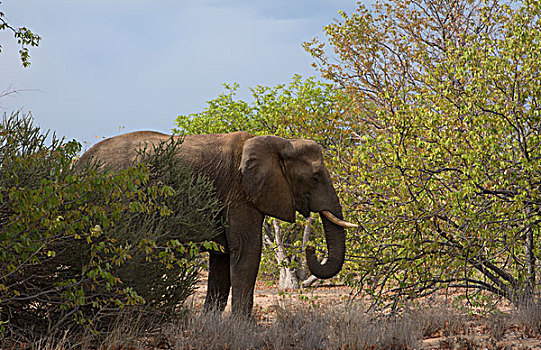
point(254, 176)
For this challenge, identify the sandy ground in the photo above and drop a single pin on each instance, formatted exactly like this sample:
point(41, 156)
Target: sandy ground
point(267, 296)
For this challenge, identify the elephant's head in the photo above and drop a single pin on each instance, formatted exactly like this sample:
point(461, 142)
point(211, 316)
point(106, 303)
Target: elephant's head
point(282, 176)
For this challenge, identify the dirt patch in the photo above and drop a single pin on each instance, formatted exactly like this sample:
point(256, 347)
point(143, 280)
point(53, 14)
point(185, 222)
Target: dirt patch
point(267, 296)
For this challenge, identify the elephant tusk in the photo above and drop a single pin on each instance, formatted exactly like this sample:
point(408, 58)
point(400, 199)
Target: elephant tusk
point(337, 221)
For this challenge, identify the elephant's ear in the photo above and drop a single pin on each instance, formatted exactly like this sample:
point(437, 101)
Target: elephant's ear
point(263, 177)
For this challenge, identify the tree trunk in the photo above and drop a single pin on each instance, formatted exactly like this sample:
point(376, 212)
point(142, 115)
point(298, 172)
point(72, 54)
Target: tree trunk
point(304, 273)
point(307, 279)
point(528, 292)
point(289, 278)
point(288, 275)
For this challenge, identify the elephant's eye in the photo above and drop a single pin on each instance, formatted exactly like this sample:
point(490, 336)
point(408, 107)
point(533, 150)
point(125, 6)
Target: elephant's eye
point(315, 178)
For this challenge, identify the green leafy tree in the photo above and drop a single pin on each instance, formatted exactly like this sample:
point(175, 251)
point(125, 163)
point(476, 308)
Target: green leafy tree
point(445, 169)
point(25, 38)
point(302, 108)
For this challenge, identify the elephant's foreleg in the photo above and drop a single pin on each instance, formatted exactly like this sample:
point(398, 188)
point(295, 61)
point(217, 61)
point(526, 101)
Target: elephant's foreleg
point(219, 281)
point(244, 239)
point(243, 277)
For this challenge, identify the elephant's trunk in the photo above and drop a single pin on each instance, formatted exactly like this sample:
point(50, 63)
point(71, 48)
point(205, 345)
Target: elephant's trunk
point(336, 245)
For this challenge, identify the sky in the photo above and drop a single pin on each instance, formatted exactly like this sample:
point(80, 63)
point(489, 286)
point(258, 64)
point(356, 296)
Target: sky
point(106, 67)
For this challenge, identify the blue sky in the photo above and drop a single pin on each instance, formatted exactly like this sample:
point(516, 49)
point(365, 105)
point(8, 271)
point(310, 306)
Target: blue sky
point(137, 64)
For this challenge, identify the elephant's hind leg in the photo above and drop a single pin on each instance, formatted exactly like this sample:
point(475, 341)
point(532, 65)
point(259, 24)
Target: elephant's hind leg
point(219, 282)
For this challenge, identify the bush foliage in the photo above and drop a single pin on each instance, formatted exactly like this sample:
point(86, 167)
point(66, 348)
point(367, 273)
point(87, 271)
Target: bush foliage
point(445, 166)
point(84, 246)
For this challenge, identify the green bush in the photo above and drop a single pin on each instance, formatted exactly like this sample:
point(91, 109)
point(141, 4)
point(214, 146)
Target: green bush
point(87, 246)
point(189, 213)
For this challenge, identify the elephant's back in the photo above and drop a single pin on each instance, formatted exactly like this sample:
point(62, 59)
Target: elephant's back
point(119, 152)
point(215, 155)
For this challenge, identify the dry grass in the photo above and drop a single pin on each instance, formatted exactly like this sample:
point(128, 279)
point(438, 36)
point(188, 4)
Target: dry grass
point(321, 327)
point(302, 327)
